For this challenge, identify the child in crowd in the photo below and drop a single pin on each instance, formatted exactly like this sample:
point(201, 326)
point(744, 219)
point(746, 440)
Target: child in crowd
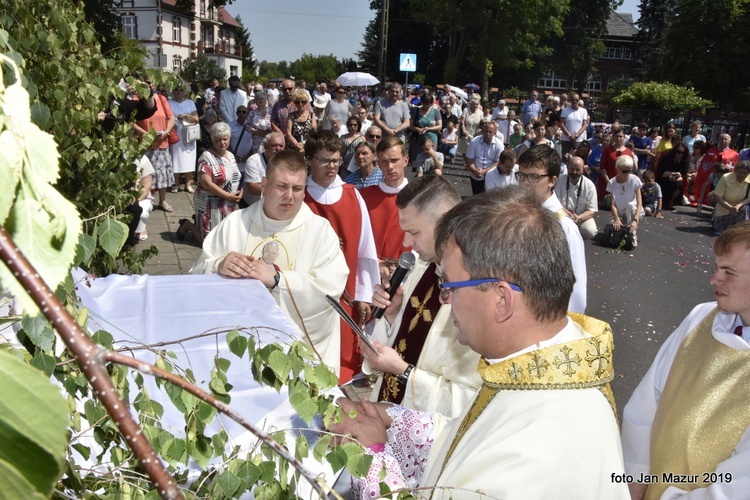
point(651, 194)
point(429, 161)
point(719, 169)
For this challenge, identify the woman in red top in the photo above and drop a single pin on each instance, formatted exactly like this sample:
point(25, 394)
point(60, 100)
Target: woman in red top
point(163, 122)
point(611, 153)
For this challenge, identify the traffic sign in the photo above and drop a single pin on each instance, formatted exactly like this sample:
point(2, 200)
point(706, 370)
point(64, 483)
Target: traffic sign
point(408, 62)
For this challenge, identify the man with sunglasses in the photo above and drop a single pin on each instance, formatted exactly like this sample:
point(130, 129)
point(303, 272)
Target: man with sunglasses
point(543, 424)
point(538, 171)
point(284, 106)
point(423, 366)
point(342, 205)
point(230, 99)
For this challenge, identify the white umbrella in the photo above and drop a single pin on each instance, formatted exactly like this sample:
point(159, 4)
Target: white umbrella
point(459, 92)
point(357, 79)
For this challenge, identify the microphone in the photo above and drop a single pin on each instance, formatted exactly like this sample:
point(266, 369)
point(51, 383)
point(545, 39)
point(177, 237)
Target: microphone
point(405, 263)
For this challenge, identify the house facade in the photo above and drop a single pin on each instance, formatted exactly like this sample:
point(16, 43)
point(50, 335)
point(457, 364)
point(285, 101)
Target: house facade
point(174, 31)
point(617, 62)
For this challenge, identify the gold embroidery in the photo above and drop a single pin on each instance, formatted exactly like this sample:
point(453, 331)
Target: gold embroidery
point(600, 357)
point(567, 361)
point(515, 371)
point(401, 346)
point(422, 311)
point(536, 367)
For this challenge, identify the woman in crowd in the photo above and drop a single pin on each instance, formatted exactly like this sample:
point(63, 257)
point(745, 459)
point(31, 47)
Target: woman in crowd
point(670, 131)
point(670, 173)
point(627, 204)
point(610, 155)
point(469, 124)
point(339, 106)
point(350, 142)
point(183, 153)
point(539, 128)
point(207, 121)
point(162, 121)
point(426, 122)
point(694, 136)
point(218, 190)
point(696, 157)
point(260, 120)
point(300, 122)
point(732, 196)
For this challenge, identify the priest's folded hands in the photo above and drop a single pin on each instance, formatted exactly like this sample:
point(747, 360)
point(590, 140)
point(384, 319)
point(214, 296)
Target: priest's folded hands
point(236, 265)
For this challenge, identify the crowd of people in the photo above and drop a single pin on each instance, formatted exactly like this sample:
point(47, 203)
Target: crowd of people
point(488, 376)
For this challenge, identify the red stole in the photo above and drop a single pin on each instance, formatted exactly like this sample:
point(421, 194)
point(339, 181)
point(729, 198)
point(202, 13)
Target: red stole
point(421, 309)
point(389, 237)
point(345, 217)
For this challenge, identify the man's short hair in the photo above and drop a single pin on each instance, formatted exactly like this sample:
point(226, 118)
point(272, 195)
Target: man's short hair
point(390, 141)
point(541, 157)
point(507, 154)
point(318, 140)
point(234, 78)
point(274, 135)
point(288, 159)
point(736, 235)
point(428, 195)
point(505, 233)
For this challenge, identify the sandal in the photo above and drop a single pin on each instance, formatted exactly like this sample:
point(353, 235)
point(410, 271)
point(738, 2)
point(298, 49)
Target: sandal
point(143, 236)
point(174, 188)
point(166, 206)
point(190, 189)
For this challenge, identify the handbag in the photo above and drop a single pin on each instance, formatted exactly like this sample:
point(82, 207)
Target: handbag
point(191, 132)
point(173, 137)
point(622, 239)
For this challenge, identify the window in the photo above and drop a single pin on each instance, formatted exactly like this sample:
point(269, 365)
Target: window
point(627, 53)
point(233, 71)
point(613, 53)
point(203, 8)
point(127, 3)
point(176, 29)
point(130, 26)
point(591, 86)
point(550, 81)
point(176, 64)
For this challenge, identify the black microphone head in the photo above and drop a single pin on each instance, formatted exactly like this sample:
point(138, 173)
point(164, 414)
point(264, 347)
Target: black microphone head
point(407, 260)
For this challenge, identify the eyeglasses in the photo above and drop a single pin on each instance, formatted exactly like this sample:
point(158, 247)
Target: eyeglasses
point(324, 162)
point(447, 288)
point(626, 171)
point(374, 136)
point(341, 92)
point(531, 178)
point(241, 112)
point(304, 101)
point(287, 88)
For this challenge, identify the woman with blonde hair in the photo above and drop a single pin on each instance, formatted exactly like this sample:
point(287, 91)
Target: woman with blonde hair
point(301, 121)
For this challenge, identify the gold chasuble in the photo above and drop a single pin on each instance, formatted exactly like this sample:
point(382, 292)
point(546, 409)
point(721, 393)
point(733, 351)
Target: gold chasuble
point(420, 311)
point(579, 364)
point(703, 411)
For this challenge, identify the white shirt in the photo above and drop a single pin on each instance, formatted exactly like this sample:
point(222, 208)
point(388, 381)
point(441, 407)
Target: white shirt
point(496, 179)
point(484, 154)
point(577, 255)
point(624, 194)
point(246, 145)
point(576, 198)
point(229, 102)
point(255, 170)
point(573, 119)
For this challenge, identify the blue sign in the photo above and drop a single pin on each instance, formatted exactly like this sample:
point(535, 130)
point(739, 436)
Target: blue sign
point(408, 62)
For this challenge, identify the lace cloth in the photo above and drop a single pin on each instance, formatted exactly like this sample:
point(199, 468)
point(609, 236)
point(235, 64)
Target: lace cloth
point(410, 439)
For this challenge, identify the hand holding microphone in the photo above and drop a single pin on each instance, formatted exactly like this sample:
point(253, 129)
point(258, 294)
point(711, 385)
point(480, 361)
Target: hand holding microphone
point(405, 262)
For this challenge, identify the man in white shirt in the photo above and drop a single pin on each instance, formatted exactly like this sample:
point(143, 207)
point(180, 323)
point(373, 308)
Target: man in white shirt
point(578, 197)
point(321, 92)
point(686, 428)
point(538, 170)
point(505, 172)
point(482, 155)
point(230, 99)
point(241, 141)
point(255, 166)
point(573, 122)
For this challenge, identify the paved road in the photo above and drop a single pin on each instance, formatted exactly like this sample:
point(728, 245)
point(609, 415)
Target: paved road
point(643, 294)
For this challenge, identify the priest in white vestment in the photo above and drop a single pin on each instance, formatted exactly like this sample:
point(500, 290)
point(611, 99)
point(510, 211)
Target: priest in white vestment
point(423, 366)
point(543, 425)
point(292, 251)
point(686, 428)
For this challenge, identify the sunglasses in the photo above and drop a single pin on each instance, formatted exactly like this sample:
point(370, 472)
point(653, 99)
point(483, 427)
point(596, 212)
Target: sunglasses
point(374, 136)
point(301, 102)
point(626, 171)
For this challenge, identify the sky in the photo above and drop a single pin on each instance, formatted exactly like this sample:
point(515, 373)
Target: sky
point(286, 29)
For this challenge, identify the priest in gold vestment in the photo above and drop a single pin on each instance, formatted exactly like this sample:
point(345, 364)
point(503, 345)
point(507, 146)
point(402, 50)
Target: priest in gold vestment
point(686, 428)
point(543, 423)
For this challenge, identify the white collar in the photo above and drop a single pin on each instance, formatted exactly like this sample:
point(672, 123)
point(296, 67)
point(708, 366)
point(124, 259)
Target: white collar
point(388, 189)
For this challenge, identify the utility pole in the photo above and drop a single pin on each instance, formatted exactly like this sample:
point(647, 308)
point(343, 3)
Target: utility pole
point(383, 41)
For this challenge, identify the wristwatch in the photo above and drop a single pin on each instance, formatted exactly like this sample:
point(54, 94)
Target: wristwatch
point(276, 279)
point(404, 377)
